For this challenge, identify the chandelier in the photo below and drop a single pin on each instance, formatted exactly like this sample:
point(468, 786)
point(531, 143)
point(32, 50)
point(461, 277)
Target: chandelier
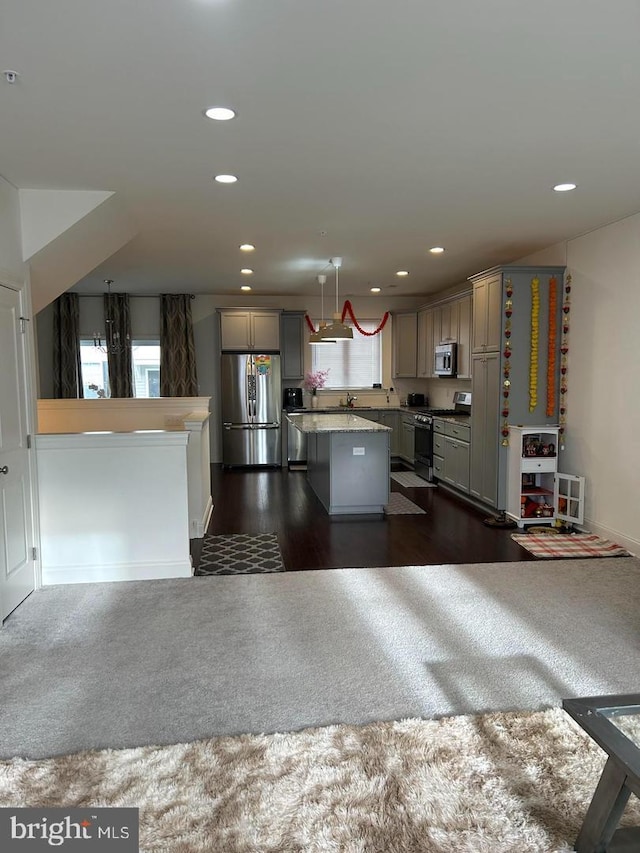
point(113, 343)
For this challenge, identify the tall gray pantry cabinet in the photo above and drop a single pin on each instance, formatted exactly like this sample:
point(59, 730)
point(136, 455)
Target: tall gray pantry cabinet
point(488, 470)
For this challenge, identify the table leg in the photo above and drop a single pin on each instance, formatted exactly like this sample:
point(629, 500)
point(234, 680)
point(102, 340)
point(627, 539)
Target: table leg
point(605, 810)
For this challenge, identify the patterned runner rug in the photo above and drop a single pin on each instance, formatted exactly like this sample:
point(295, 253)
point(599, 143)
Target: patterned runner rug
point(408, 478)
point(240, 554)
point(568, 545)
point(399, 505)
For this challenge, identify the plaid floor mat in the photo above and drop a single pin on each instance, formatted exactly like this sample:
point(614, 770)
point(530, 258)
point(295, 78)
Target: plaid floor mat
point(240, 554)
point(570, 545)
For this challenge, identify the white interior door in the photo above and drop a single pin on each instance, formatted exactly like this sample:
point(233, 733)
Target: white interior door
point(17, 577)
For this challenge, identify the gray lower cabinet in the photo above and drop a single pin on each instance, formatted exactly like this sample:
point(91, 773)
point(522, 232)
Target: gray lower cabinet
point(438, 467)
point(349, 471)
point(456, 458)
point(391, 419)
point(406, 449)
point(451, 453)
point(485, 425)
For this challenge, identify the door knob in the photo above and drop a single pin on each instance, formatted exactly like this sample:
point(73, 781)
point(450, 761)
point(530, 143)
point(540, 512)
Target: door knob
point(4, 469)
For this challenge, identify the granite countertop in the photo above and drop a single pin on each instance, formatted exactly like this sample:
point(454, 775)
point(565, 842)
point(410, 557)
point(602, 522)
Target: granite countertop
point(409, 410)
point(319, 422)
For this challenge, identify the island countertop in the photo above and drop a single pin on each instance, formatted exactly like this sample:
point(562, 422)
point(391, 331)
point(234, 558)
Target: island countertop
point(334, 423)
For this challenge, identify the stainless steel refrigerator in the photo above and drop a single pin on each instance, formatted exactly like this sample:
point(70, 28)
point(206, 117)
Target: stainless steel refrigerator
point(251, 409)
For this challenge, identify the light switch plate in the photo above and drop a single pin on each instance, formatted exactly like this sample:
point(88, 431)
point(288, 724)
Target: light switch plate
point(358, 451)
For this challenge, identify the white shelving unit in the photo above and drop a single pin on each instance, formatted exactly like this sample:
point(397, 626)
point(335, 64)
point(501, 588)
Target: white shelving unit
point(536, 492)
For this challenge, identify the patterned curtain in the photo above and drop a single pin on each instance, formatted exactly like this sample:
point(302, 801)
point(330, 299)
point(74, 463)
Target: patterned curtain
point(67, 372)
point(118, 336)
point(177, 350)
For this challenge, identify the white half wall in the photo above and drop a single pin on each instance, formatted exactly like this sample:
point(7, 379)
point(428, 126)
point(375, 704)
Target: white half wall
point(113, 506)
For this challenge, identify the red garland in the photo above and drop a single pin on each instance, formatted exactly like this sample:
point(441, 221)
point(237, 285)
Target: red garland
point(348, 309)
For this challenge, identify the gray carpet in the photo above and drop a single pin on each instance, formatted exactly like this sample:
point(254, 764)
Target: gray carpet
point(157, 662)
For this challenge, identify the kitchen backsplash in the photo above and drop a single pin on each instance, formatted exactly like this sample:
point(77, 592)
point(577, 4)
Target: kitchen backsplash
point(439, 393)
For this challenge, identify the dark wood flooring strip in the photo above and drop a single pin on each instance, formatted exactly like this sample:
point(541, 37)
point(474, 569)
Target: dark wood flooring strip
point(280, 501)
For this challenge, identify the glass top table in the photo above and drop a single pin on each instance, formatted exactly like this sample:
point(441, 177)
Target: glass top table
point(614, 723)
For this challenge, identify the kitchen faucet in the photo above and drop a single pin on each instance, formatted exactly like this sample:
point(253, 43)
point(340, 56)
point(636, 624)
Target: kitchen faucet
point(350, 400)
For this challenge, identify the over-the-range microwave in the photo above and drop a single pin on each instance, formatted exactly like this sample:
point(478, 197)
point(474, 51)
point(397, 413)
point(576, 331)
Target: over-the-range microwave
point(445, 359)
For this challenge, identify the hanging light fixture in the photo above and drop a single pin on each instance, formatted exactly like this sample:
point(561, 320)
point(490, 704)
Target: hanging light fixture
point(112, 342)
point(337, 331)
point(316, 337)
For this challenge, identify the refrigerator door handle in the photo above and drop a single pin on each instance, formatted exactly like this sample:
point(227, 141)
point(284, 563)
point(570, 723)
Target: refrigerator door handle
point(237, 426)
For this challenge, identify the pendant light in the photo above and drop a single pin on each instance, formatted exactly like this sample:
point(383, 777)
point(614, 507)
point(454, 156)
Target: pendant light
point(337, 331)
point(316, 337)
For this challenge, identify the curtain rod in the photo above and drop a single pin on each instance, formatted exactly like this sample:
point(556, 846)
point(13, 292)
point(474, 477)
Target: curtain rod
point(136, 295)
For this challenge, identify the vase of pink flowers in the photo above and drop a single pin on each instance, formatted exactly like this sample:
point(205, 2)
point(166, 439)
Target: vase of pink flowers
point(313, 381)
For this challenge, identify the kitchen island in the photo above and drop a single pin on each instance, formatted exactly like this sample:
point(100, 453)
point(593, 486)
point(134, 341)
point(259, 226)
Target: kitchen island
point(348, 461)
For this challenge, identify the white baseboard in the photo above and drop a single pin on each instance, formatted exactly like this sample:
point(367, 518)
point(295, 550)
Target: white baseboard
point(632, 545)
point(199, 528)
point(116, 572)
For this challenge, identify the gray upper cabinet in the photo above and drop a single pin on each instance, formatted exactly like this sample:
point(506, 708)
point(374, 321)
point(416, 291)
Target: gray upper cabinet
point(405, 344)
point(250, 330)
point(464, 337)
point(292, 345)
point(449, 321)
point(426, 343)
point(487, 313)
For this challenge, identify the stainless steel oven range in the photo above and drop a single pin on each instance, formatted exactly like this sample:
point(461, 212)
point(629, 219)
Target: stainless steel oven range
point(424, 431)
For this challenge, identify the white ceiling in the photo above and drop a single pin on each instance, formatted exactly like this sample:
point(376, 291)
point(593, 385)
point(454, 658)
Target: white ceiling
point(391, 126)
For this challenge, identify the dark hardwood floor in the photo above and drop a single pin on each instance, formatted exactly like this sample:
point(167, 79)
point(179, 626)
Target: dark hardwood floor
point(280, 501)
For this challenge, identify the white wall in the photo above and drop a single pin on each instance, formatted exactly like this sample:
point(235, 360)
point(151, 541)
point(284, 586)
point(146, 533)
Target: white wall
point(603, 405)
point(11, 265)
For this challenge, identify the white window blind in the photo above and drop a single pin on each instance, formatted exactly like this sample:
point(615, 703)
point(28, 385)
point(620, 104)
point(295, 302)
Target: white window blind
point(351, 364)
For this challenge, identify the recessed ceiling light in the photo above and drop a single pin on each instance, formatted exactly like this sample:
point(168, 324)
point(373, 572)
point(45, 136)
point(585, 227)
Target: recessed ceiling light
point(246, 247)
point(402, 272)
point(226, 179)
point(564, 188)
point(436, 250)
point(246, 287)
point(375, 290)
point(220, 113)
point(246, 272)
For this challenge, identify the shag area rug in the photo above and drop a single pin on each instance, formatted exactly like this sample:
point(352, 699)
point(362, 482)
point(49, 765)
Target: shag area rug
point(496, 783)
point(568, 545)
point(240, 554)
point(399, 505)
point(411, 480)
